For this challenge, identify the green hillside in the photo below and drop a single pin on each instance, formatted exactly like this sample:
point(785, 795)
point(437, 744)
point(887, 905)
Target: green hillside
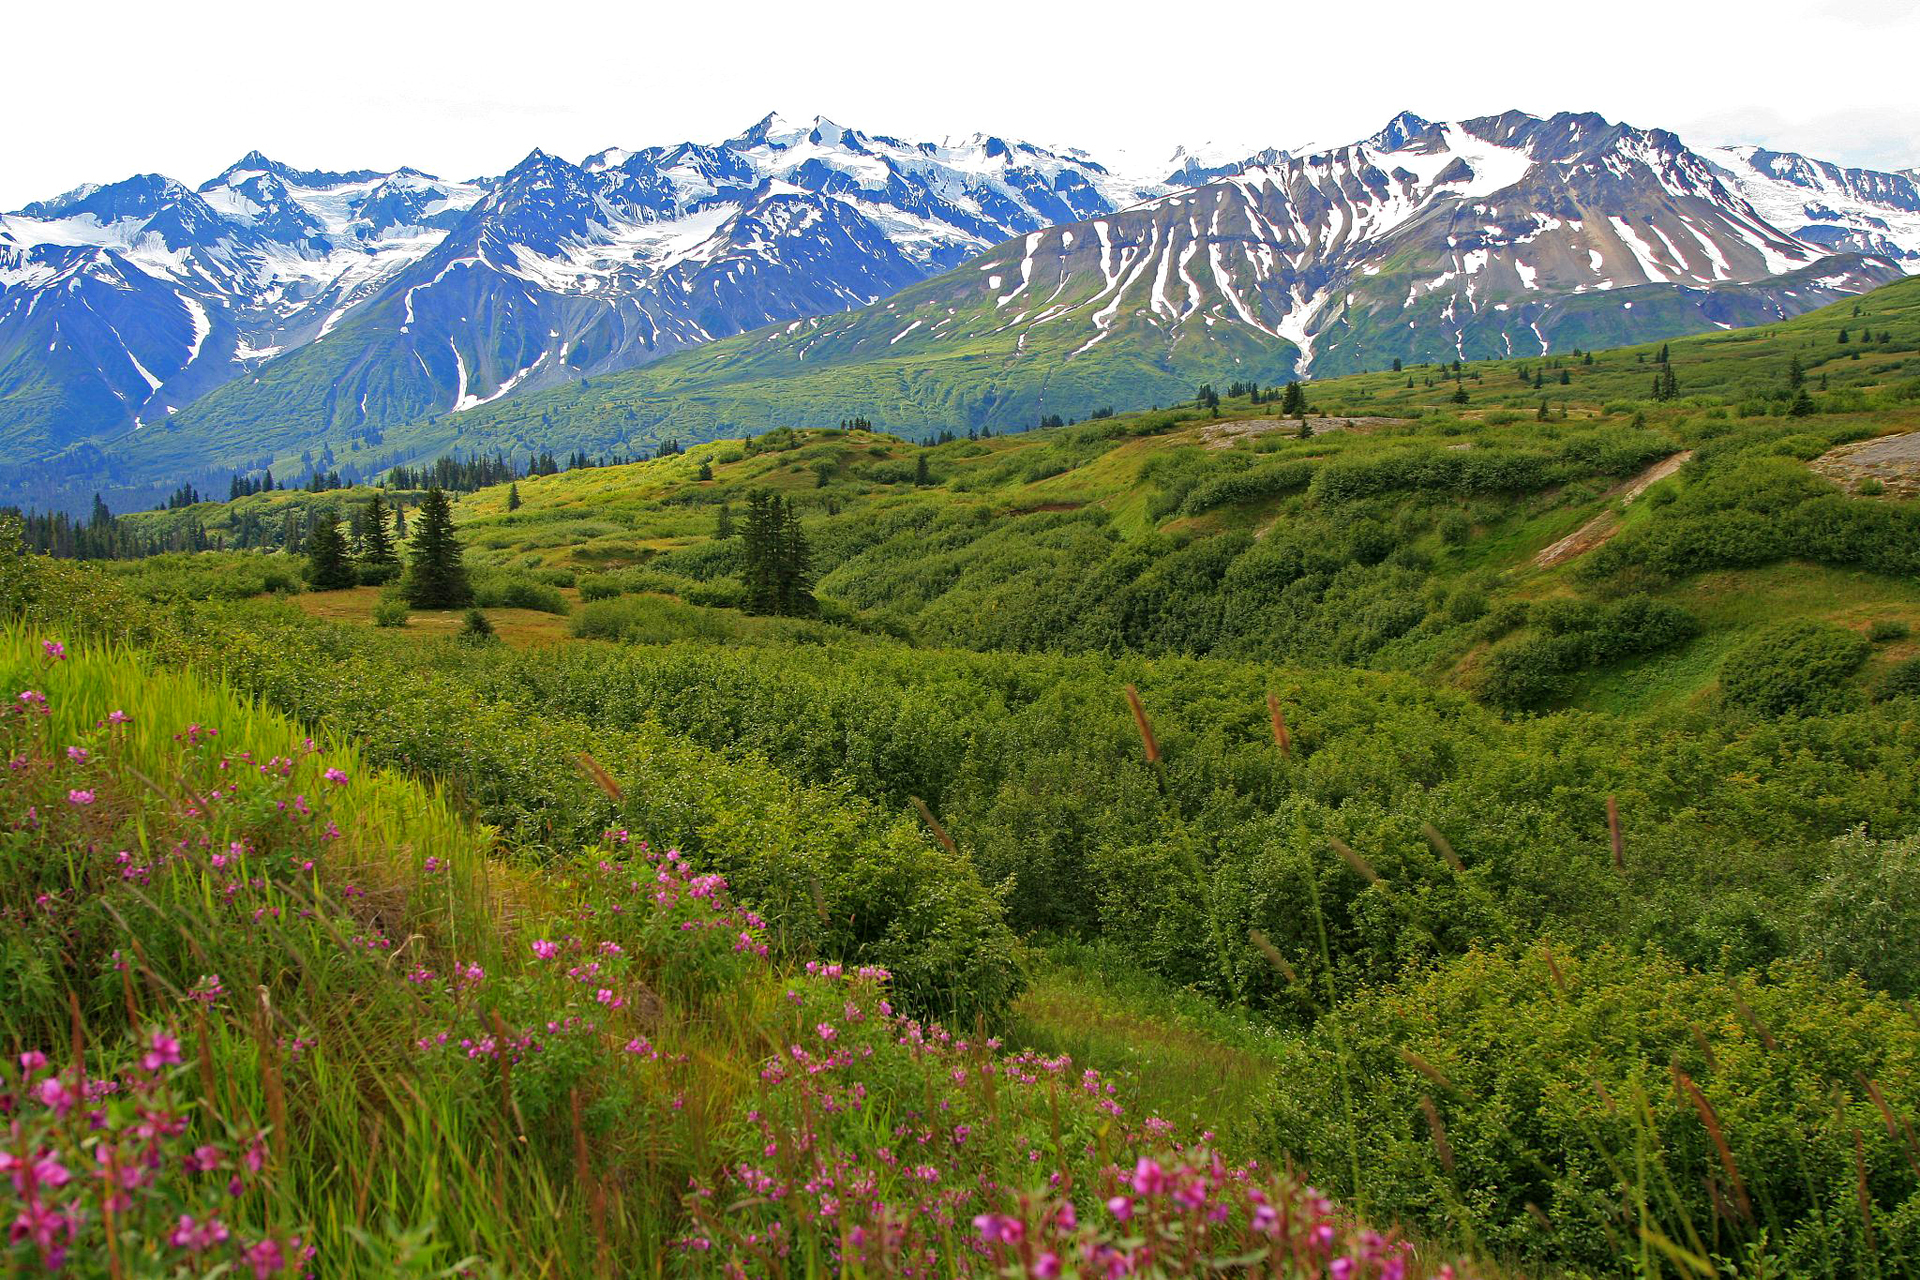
point(1496, 796)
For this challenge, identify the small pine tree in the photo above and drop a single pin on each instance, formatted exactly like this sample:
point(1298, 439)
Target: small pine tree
point(723, 523)
point(1293, 402)
point(376, 539)
point(1396, 364)
point(1542, 415)
point(328, 566)
point(436, 577)
point(921, 476)
point(1796, 375)
point(1460, 393)
point(513, 496)
point(476, 626)
point(1566, 378)
point(706, 470)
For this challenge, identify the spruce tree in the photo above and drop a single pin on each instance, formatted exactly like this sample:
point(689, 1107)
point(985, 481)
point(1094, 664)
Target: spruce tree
point(376, 539)
point(436, 578)
point(1293, 402)
point(706, 469)
point(760, 550)
point(795, 567)
point(513, 497)
point(920, 474)
point(723, 523)
point(328, 567)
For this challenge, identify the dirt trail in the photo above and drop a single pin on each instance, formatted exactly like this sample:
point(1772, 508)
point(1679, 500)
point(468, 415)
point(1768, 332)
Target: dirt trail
point(1223, 435)
point(1597, 531)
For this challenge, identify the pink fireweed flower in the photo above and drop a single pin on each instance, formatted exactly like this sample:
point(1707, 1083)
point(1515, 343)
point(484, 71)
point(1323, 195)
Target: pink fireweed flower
point(54, 1095)
point(639, 1047)
point(197, 1237)
point(77, 754)
point(162, 1051)
point(32, 698)
point(117, 716)
point(1047, 1266)
point(1120, 1207)
point(544, 949)
point(56, 652)
point(433, 865)
point(79, 797)
point(998, 1228)
point(207, 990)
point(1148, 1177)
point(826, 1031)
point(336, 777)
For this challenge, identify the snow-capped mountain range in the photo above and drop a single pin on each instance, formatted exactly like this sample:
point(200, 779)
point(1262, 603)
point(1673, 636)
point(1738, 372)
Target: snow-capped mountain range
point(1479, 238)
point(343, 304)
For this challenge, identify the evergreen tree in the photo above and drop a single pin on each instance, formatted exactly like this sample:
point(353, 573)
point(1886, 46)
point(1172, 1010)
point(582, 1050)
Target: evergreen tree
point(762, 536)
point(795, 567)
point(436, 578)
point(328, 567)
point(1796, 375)
point(1542, 415)
point(723, 523)
point(1396, 364)
point(921, 476)
point(1566, 377)
point(706, 469)
point(779, 562)
point(1293, 402)
point(376, 540)
point(513, 496)
point(1460, 393)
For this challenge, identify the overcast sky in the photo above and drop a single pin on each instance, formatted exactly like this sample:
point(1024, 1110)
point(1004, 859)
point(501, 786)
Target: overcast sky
point(110, 89)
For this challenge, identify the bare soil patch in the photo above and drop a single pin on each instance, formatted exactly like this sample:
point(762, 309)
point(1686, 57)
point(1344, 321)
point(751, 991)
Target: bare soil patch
point(1597, 531)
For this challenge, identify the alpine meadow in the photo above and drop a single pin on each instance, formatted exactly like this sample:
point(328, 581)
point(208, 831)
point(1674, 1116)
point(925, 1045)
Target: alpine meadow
point(832, 705)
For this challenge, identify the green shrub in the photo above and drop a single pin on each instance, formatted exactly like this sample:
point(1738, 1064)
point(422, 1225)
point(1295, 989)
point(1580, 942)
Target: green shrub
point(648, 619)
point(1794, 667)
point(1563, 1087)
point(390, 611)
point(1887, 630)
point(475, 626)
point(1871, 487)
point(515, 592)
point(600, 587)
point(1903, 681)
point(1863, 917)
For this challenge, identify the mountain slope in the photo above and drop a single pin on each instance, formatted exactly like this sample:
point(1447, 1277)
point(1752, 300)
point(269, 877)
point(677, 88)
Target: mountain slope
point(374, 318)
point(1503, 236)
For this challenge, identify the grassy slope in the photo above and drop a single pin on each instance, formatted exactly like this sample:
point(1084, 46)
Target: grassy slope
point(609, 519)
point(823, 370)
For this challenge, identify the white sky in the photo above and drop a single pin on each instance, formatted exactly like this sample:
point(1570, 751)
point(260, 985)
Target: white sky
point(114, 88)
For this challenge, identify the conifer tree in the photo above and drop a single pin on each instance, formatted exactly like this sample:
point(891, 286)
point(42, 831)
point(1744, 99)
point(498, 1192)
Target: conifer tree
point(376, 540)
point(920, 474)
point(328, 567)
point(723, 523)
point(436, 578)
point(1293, 402)
point(706, 469)
point(513, 496)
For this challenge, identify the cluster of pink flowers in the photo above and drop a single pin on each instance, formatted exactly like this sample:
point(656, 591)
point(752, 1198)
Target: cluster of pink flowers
point(70, 1159)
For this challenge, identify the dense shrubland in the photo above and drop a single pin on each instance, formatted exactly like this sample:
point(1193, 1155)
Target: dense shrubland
point(1573, 988)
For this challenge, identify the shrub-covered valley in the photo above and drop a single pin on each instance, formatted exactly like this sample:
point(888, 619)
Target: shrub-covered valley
point(1451, 820)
